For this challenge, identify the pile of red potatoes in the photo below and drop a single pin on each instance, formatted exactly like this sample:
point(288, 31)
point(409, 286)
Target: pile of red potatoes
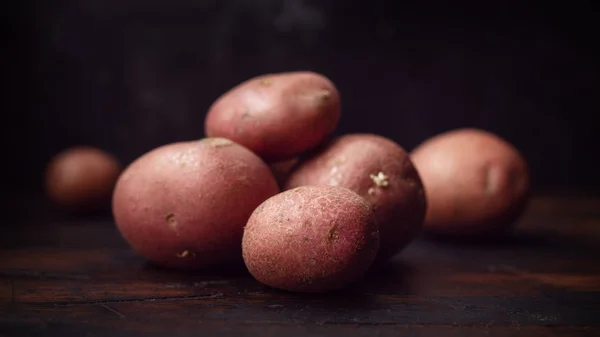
point(270, 186)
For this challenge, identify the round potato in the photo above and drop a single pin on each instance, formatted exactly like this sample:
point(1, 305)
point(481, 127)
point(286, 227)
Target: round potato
point(380, 171)
point(277, 116)
point(310, 239)
point(184, 205)
point(476, 183)
point(82, 178)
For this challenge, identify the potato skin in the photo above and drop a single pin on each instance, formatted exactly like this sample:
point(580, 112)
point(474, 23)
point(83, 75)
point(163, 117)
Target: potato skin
point(380, 171)
point(184, 205)
point(310, 239)
point(277, 116)
point(476, 182)
point(82, 178)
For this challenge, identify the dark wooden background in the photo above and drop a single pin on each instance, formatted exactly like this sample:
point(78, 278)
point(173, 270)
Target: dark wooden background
point(131, 75)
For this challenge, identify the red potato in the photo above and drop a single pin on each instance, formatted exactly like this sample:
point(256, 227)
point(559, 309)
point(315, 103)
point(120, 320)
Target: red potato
point(476, 183)
point(82, 178)
point(277, 116)
point(380, 171)
point(311, 239)
point(184, 205)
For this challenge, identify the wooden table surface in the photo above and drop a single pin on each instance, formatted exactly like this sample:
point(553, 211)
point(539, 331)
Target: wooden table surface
point(77, 277)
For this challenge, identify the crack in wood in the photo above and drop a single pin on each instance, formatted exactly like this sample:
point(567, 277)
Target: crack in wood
point(121, 316)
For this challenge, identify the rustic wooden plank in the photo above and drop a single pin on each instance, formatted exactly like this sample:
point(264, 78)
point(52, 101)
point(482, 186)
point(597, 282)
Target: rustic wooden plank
point(95, 264)
point(420, 271)
point(68, 234)
point(564, 205)
point(492, 310)
point(524, 255)
point(63, 292)
point(564, 281)
point(133, 329)
point(459, 285)
point(56, 262)
point(585, 229)
point(445, 298)
point(579, 309)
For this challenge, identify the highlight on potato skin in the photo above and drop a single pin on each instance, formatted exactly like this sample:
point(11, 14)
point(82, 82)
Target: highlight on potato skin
point(81, 178)
point(277, 116)
point(379, 170)
point(311, 239)
point(477, 183)
point(184, 205)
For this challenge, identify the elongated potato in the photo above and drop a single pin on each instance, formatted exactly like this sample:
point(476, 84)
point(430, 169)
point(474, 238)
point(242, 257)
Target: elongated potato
point(380, 171)
point(278, 116)
point(476, 183)
point(184, 205)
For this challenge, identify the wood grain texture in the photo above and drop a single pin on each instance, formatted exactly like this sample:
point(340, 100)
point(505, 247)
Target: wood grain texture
point(80, 278)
